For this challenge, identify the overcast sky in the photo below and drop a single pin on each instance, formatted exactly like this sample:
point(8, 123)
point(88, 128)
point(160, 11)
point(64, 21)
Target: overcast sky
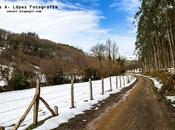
point(81, 23)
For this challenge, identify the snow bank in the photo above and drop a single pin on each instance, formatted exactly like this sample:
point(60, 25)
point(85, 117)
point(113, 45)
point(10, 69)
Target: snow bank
point(13, 104)
point(157, 83)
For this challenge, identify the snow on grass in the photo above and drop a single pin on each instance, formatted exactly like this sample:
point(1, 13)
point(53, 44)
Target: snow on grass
point(172, 99)
point(3, 83)
point(2, 49)
point(13, 104)
point(157, 83)
point(171, 70)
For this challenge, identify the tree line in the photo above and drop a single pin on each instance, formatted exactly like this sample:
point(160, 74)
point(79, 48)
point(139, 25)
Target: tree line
point(155, 42)
point(30, 56)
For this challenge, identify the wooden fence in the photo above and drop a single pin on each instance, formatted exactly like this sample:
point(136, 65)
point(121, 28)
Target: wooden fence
point(37, 98)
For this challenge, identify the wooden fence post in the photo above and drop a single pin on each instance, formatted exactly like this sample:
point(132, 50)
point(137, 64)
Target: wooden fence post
point(128, 79)
point(110, 84)
point(102, 86)
point(2, 128)
point(120, 81)
point(90, 89)
point(72, 94)
point(123, 80)
point(116, 82)
point(28, 109)
point(56, 110)
point(36, 104)
point(132, 78)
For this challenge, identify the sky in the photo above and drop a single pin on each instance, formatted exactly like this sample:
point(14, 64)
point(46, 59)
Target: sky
point(81, 23)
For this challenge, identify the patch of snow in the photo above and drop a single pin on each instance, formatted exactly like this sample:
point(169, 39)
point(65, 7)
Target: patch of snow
point(171, 70)
point(138, 70)
point(13, 104)
point(157, 83)
point(2, 49)
point(3, 83)
point(42, 78)
point(99, 105)
point(172, 99)
point(96, 108)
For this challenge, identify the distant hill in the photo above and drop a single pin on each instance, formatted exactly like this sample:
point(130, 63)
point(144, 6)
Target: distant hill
point(29, 56)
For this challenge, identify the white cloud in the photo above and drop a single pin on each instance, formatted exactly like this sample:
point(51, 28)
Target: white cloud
point(130, 6)
point(74, 25)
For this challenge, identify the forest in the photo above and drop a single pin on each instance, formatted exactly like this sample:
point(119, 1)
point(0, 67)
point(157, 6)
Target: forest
point(155, 43)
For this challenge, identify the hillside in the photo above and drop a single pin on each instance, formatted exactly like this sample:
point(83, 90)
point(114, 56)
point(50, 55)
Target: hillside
point(55, 63)
point(30, 55)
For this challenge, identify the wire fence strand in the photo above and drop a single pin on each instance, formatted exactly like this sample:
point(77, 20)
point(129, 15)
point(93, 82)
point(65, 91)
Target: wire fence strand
point(81, 95)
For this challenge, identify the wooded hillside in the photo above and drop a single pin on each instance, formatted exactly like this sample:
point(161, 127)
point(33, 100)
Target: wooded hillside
point(29, 56)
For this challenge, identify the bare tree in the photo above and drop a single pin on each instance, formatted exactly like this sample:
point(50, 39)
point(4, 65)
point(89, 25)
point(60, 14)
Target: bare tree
point(114, 51)
point(109, 49)
point(98, 51)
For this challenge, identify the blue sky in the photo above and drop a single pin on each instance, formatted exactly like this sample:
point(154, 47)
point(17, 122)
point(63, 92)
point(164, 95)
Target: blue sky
point(115, 17)
point(81, 23)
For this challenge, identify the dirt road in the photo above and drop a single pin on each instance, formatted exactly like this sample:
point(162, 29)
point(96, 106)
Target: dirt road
point(140, 111)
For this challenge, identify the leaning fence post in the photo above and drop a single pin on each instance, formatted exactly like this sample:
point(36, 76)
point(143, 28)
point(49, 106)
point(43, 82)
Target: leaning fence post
point(110, 84)
point(102, 86)
point(28, 109)
point(72, 93)
point(116, 83)
point(36, 104)
point(2, 128)
point(90, 89)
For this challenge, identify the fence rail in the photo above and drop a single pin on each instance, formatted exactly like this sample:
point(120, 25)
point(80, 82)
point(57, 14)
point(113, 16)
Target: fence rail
point(52, 101)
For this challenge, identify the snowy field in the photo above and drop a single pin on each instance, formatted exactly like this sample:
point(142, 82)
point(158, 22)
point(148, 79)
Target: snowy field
point(13, 104)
